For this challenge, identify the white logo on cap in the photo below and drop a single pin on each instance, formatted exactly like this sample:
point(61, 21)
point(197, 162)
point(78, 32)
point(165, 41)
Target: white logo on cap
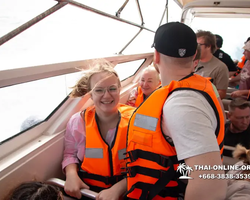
point(182, 52)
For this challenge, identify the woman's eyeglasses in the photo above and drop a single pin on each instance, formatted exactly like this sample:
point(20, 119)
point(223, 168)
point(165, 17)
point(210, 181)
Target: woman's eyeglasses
point(113, 89)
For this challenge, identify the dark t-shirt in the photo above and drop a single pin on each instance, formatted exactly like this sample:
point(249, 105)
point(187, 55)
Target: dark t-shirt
point(232, 139)
point(224, 57)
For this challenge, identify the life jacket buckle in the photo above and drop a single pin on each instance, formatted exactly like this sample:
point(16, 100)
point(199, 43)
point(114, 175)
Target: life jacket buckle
point(132, 155)
point(162, 172)
point(164, 161)
point(107, 178)
point(131, 172)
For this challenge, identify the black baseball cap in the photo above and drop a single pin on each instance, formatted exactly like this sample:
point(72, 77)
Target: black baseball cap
point(175, 39)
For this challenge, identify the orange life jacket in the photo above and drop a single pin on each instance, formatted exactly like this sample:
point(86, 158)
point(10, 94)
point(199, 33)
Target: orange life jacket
point(242, 62)
point(240, 65)
point(151, 158)
point(140, 97)
point(101, 166)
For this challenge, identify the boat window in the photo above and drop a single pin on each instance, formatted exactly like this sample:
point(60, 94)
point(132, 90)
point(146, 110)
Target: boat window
point(227, 28)
point(141, 44)
point(130, 68)
point(129, 12)
point(69, 34)
point(24, 105)
point(13, 13)
point(150, 16)
point(174, 11)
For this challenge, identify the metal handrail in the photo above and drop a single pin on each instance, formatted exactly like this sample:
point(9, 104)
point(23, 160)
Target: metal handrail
point(120, 52)
point(118, 13)
point(23, 75)
point(60, 183)
point(165, 11)
point(106, 14)
point(139, 9)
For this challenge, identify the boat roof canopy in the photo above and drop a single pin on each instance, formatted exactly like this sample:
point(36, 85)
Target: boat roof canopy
point(213, 8)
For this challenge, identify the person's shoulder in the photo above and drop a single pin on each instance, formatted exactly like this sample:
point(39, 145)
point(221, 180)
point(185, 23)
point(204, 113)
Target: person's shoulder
point(226, 55)
point(185, 98)
point(75, 118)
point(219, 64)
point(247, 64)
point(216, 53)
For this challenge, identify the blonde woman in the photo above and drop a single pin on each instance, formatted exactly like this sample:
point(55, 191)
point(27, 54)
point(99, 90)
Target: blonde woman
point(95, 139)
point(149, 81)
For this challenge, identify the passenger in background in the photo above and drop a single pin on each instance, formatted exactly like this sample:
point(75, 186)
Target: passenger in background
point(224, 57)
point(148, 82)
point(234, 80)
point(239, 187)
point(197, 59)
point(181, 127)
point(243, 59)
point(95, 138)
point(212, 66)
point(237, 129)
point(244, 85)
point(35, 191)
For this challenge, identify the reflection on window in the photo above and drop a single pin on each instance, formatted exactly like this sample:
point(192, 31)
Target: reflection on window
point(127, 69)
point(24, 105)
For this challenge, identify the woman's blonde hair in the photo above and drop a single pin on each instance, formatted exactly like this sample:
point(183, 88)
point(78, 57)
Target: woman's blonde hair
point(82, 87)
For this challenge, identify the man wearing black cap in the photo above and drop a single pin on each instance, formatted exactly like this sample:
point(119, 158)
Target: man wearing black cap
point(179, 124)
point(224, 57)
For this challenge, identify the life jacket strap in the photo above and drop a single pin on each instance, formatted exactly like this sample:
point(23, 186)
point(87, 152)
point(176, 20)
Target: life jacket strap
point(132, 171)
point(145, 187)
point(160, 159)
point(105, 179)
point(96, 188)
point(149, 191)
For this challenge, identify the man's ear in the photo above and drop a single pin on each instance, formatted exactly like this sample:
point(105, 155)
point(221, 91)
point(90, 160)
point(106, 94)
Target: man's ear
point(156, 57)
